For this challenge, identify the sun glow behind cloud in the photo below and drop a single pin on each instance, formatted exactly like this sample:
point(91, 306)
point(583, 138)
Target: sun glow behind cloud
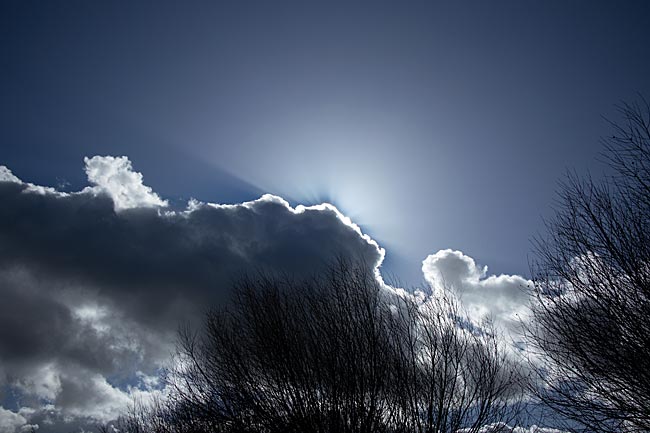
point(349, 157)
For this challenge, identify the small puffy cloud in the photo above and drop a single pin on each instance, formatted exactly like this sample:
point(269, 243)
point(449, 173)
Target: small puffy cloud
point(502, 298)
point(451, 269)
point(115, 177)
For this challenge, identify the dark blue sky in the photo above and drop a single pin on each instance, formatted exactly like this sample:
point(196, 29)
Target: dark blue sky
point(433, 125)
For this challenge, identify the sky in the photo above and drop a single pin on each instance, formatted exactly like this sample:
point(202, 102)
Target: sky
point(437, 131)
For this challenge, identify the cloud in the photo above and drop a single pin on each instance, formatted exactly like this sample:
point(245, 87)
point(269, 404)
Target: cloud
point(94, 283)
point(502, 299)
point(504, 428)
point(7, 176)
point(115, 177)
point(15, 422)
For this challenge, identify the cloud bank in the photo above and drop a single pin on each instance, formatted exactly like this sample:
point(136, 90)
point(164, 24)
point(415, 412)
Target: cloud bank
point(94, 283)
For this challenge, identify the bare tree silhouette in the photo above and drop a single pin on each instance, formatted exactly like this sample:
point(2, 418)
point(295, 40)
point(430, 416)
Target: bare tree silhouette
point(592, 284)
point(452, 376)
point(334, 354)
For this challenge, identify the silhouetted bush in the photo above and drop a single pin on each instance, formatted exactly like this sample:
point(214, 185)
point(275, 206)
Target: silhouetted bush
point(338, 353)
point(591, 322)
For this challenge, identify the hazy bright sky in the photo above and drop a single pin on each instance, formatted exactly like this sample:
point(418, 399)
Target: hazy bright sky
point(433, 125)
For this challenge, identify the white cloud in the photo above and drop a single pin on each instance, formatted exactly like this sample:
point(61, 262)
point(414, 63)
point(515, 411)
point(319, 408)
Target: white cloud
point(85, 399)
point(15, 422)
point(7, 176)
point(504, 428)
point(502, 298)
point(88, 395)
point(115, 177)
point(43, 382)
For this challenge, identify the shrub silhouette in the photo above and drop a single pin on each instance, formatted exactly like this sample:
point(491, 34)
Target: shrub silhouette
point(592, 285)
point(334, 354)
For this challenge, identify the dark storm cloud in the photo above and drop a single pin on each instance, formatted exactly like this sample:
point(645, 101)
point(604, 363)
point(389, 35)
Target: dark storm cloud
point(95, 283)
point(131, 253)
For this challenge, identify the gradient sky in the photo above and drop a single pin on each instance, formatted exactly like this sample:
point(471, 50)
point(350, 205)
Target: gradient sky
point(432, 125)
